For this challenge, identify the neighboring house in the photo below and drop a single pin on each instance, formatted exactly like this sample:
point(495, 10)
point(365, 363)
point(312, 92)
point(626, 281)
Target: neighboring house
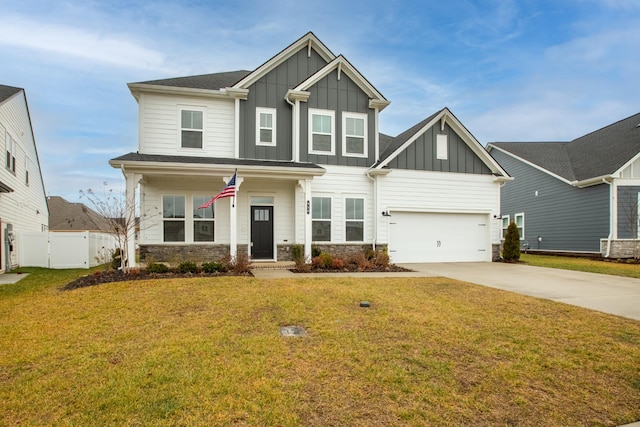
point(22, 196)
point(312, 168)
point(578, 196)
point(67, 216)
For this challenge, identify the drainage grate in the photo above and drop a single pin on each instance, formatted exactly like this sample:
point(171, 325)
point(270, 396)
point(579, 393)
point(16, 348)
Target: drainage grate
point(292, 331)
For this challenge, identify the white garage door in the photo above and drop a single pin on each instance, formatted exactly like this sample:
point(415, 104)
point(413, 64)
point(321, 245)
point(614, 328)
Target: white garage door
point(438, 237)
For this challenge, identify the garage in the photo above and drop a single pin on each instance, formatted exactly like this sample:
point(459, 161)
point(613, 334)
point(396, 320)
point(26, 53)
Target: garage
point(438, 237)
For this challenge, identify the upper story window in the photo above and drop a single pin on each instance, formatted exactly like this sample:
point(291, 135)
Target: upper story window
point(203, 220)
point(191, 129)
point(266, 126)
point(442, 147)
point(321, 132)
point(173, 209)
point(10, 162)
point(354, 134)
point(519, 219)
point(27, 168)
point(321, 219)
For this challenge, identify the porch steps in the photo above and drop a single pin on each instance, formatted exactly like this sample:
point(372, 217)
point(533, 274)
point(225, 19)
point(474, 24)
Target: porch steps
point(280, 265)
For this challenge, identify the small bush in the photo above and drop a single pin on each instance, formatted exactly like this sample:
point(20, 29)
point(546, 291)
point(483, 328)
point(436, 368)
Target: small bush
point(116, 259)
point(359, 261)
point(382, 258)
point(315, 251)
point(326, 259)
point(316, 262)
point(370, 254)
point(211, 267)
point(156, 267)
point(511, 246)
point(187, 267)
point(338, 263)
point(297, 253)
point(238, 264)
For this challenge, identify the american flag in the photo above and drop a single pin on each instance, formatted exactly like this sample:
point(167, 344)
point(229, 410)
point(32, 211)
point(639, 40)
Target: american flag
point(228, 191)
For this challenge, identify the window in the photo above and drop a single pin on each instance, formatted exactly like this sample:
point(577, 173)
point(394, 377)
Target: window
point(11, 153)
point(27, 168)
point(519, 219)
point(505, 225)
point(442, 147)
point(191, 128)
point(203, 220)
point(354, 224)
point(321, 219)
point(266, 126)
point(354, 135)
point(321, 140)
point(173, 216)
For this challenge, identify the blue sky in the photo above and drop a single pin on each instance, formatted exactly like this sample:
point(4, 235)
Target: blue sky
point(509, 70)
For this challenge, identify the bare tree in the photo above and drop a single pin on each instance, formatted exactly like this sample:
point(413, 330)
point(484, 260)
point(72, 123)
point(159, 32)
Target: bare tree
point(120, 214)
point(628, 207)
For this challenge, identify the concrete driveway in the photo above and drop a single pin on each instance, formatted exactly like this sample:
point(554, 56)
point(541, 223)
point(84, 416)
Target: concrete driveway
point(609, 294)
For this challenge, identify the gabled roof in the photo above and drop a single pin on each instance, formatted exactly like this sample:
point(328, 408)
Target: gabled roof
point(215, 81)
point(309, 40)
point(398, 144)
point(343, 66)
point(67, 216)
point(7, 92)
point(597, 154)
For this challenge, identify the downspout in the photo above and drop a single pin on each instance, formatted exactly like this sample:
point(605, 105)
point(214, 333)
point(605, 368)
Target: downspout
point(375, 208)
point(612, 211)
point(293, 129)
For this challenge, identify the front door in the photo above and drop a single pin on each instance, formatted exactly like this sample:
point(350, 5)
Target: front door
point(262, 232)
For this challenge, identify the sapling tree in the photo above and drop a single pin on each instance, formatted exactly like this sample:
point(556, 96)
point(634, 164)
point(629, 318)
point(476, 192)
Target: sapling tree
point(511, 246)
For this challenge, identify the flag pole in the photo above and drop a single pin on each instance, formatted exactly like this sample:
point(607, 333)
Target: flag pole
point(234, 188)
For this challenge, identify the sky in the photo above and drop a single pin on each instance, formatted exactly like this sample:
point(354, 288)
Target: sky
point(510, 70)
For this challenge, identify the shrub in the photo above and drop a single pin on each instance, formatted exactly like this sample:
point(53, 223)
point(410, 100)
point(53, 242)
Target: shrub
point(211, 267)
point(157, 267)
point(511, 246)
point(338, 263)
point(370, 254)
point(382, 258)
point(187, 267)
point(116, 258)
point(359, 261)
point(315, 251)
point(238, 264)
point(316, 262)
point(297, 253)
point(326, 259)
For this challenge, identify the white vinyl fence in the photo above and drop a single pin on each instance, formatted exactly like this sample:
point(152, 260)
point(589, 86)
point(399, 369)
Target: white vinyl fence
point(64, 249)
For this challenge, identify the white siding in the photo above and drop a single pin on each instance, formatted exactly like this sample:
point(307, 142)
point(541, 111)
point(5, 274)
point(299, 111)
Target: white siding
point(26, 207)
point(415, 191)
point(339, 183)
point(160, 125)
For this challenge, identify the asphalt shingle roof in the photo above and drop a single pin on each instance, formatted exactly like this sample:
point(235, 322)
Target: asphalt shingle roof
point(7, 92)
point(395, 143)
point(67, 216)
point(595, 154)
point(214, 81)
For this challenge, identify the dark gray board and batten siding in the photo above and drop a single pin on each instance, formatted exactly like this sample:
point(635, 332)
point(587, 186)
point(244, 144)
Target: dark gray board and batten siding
point(421, 155)
point(566, 217)
point(269, 92)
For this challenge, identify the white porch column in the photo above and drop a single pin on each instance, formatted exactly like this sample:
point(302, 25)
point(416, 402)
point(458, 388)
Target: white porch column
point(305, 184)
point(233, 218)
point(132, 180)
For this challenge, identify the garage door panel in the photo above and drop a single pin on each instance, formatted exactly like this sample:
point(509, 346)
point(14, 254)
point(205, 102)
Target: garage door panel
point(438, 237)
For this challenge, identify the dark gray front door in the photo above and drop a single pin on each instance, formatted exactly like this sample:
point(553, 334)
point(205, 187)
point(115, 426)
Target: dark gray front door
point(262, 232)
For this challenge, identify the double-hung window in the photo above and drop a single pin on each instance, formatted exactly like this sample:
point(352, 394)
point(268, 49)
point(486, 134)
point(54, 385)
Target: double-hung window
point(505, 225)
point(354, 134)
point(173, 210)
point(321, 219)
point(191, 128)
point(321, 132)
point(354, 219)
point(266, 126)
point(203, 220)
point(519, 219)
point(11, 153)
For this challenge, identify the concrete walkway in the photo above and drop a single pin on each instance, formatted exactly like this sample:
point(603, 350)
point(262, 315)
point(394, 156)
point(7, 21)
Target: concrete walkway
point(605, 293)
point(9, 278)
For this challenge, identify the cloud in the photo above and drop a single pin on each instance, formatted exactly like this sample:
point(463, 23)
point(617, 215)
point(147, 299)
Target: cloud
point(81, 43)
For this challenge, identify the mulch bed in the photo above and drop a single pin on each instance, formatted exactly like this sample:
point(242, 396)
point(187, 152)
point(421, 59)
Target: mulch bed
point(111, 276)
point(354, 269)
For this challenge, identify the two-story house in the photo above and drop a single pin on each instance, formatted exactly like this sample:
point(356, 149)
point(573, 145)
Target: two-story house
point(301, 130)
point(23, 206)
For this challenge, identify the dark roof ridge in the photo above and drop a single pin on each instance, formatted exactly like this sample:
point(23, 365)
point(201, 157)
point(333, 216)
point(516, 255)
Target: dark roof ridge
point(607, 126)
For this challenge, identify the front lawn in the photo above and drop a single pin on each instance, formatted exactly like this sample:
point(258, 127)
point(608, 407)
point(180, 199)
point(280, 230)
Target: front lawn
point(207, 351)
point(613, 267)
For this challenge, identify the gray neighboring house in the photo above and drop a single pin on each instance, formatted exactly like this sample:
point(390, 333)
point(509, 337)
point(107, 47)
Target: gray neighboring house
point(577, 196)
point(68, 216)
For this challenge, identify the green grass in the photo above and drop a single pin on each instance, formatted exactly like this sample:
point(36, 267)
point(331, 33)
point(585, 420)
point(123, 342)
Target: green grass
point(615, 268)
point(429, 351)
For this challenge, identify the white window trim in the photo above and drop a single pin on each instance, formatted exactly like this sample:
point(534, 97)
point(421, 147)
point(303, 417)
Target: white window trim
point(182, 108)
point(330, 221)
point(442, 146)
point(194, 220)
point(332, 114)
point(503, 230)
point(345, 116)
point(11, 148)
point(515, 219)
point(184, 220)
point(363, 220)
point(271, 111)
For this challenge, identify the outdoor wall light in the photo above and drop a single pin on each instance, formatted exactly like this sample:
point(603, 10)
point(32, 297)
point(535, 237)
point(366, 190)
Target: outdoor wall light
point(386, 213)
